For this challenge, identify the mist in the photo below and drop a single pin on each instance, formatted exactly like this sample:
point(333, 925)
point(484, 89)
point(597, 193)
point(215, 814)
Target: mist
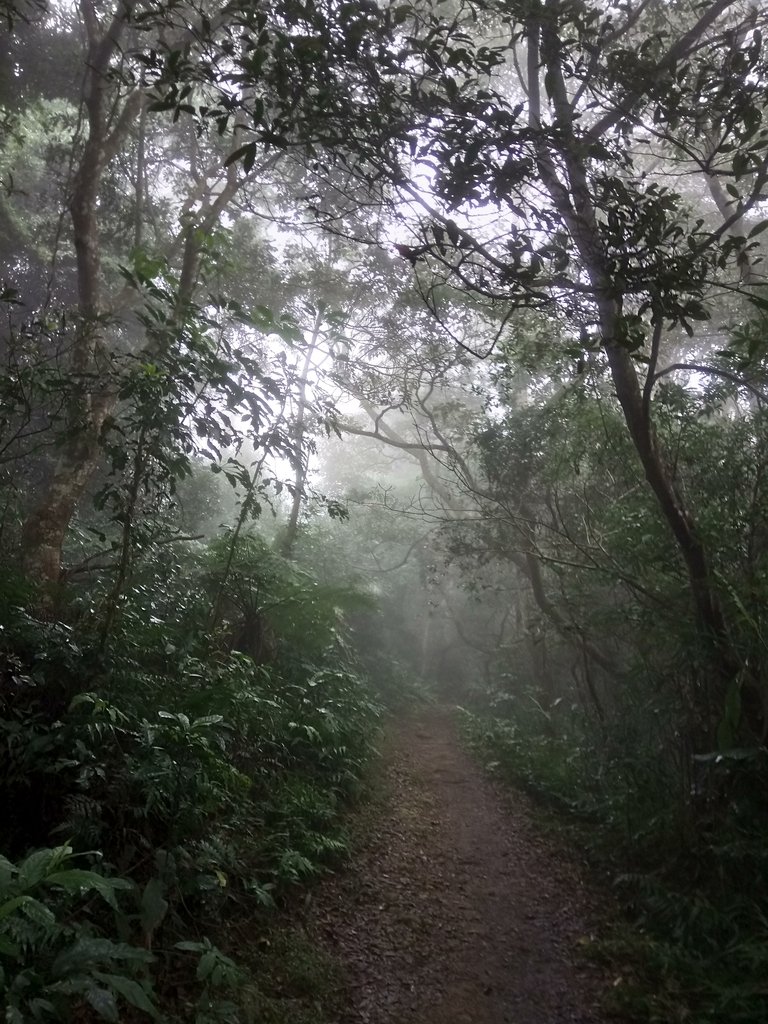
point(383, 512)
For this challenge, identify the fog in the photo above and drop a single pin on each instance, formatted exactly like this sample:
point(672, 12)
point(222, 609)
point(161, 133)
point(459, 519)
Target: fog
point(382, 431)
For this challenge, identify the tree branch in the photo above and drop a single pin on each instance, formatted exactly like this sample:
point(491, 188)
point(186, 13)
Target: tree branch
point(712, 371)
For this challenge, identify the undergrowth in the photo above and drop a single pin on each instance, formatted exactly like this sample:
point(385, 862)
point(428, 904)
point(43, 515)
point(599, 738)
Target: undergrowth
point(296, 983)
point(689, 863)
point(168, 782)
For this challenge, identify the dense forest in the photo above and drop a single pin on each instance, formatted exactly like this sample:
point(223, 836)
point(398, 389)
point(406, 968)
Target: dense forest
point(357, 353)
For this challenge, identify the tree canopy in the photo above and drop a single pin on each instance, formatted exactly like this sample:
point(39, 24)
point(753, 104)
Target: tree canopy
point(351, 343)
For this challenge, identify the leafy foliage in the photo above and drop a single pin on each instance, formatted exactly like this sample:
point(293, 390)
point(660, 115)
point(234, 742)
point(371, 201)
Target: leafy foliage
point(46, 963)
point(592, 565)
point(686, 865)
point(207, 780)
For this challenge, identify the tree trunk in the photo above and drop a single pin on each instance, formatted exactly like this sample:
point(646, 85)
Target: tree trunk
point(94, 396)
point(706, 604)
point(46, 524)
point(45, 527)
point(574, 204)
point(291, 533)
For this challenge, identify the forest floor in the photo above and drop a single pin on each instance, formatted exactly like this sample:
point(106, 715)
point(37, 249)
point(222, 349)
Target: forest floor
point(457, 908)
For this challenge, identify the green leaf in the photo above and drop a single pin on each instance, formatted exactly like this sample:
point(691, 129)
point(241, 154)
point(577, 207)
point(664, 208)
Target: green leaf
point(7, 908)
point(245, 154)
point(39, 864)
point(7, 871)
point(104, 1003)
point(77, 879)
point(153, 905)
point(8, 948)
point(453, 231)
point(206, 720)
point(207, 964)
point(16, 903)
point(86, 952)
point(131, 991)
point(37, 911)
point(189, 946)
point(740, 165)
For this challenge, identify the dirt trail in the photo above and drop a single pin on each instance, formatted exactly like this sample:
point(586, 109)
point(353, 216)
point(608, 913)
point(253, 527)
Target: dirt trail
point(458, 911)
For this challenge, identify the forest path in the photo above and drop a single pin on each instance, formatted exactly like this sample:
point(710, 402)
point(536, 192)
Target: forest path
point(457, 910)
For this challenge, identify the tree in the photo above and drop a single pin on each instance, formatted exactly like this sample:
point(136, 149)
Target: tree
point(120, 276)
point(524, 170)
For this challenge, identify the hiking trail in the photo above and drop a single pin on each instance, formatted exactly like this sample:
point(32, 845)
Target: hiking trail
point(457, 909)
